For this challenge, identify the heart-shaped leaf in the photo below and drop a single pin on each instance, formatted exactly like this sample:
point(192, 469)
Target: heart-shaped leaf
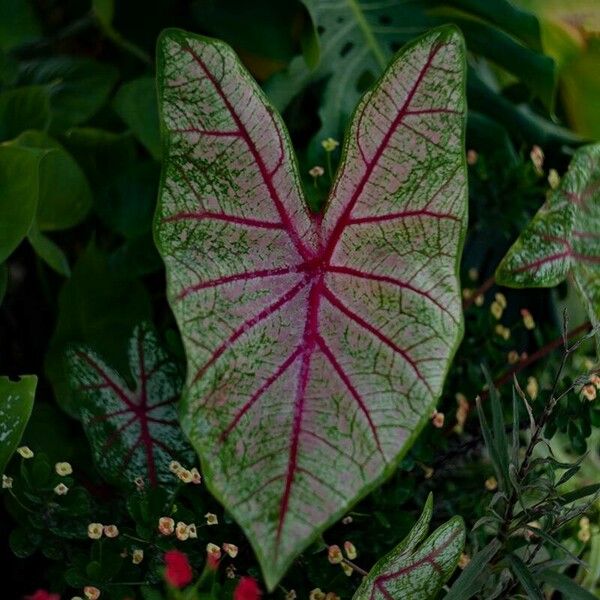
point(317, 345)
point(16, 403)
point(415, 570)
point(133, 432)
point(563, 237)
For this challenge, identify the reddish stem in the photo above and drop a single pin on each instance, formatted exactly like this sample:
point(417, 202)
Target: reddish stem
point(537, 355)
point(482, 289)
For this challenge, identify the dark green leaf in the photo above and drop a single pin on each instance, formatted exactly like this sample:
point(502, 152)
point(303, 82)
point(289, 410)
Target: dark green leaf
point(136, 104)
point(16, 403)
point(50, 252)
point(23, 108)
point(77, 87)
point(525, 577)
point(64, 194)
point(19, 182)
point(88, 314)
point(468, 583)
point(564, 584)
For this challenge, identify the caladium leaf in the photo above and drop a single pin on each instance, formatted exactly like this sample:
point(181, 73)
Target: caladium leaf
point(416, 569)
point(16, 403)
point(133, 432)
point(563, 237)
point(317, 344)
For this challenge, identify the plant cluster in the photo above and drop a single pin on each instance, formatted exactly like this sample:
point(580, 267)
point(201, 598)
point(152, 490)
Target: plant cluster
point(261, 267)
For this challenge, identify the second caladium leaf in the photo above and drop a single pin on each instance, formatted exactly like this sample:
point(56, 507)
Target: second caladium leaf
point(563, 237)
point(317, 344)
point(416, 569)
point(133, 432)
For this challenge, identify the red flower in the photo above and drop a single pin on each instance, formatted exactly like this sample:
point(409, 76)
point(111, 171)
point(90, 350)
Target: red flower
point(178, 572)
point(247, 589)
point(42, 595)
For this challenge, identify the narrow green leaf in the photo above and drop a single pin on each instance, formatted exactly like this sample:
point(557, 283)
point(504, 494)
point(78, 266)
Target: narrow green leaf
point(50, 252)
point(468, 583)
point(412, 571)
point(16, 403)
point(582, 492)
point(564, 584)
point(134, 432)
point(525, 577)
point(293, 331)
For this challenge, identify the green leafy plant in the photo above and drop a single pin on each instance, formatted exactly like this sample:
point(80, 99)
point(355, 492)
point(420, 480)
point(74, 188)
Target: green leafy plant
point(267, 264)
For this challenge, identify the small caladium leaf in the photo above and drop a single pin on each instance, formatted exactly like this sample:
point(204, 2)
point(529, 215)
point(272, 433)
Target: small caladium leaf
point(563, 237)
point(416, 569)
point(317, 344)
point(133, 432)
point(16, 403)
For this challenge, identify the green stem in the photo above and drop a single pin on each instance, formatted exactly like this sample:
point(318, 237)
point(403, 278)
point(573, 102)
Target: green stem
point(367, 33)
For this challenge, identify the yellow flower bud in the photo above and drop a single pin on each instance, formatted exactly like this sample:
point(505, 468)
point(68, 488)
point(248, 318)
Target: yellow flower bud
point(181, 531)
point(61, 489)
point(316, 594)
point(91, 592)
point(137, 557)
point(211, 519)
point(25, 452)
point(491, 484)
point(63, 468)
point(334, 555)
point(166, 525)
point(230, 549)
point(111, 531)
point(330, 144)
point(532, 387)
point(94, 531)
point(350, 550)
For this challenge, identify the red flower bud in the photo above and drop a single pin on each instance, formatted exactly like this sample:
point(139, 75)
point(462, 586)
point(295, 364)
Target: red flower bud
point(42, 595)
point(178, 571)
point(247, 589)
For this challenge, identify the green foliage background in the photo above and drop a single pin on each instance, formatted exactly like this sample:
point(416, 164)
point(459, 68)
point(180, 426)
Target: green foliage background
point(80, 159)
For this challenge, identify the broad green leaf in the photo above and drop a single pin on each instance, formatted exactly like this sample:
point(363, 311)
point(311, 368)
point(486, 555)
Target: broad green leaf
point(357, 38)
point(416, 569)
point(50, 252)
point(16, 402)
point(77, 87)
point(18, 24)
point(134, 432)
point(570, 35)
point(23, 108)
point(316, 344)
point(563, 237)
point(64, 194)
point(98, 308)
point(135, 103)
point(19, 182)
